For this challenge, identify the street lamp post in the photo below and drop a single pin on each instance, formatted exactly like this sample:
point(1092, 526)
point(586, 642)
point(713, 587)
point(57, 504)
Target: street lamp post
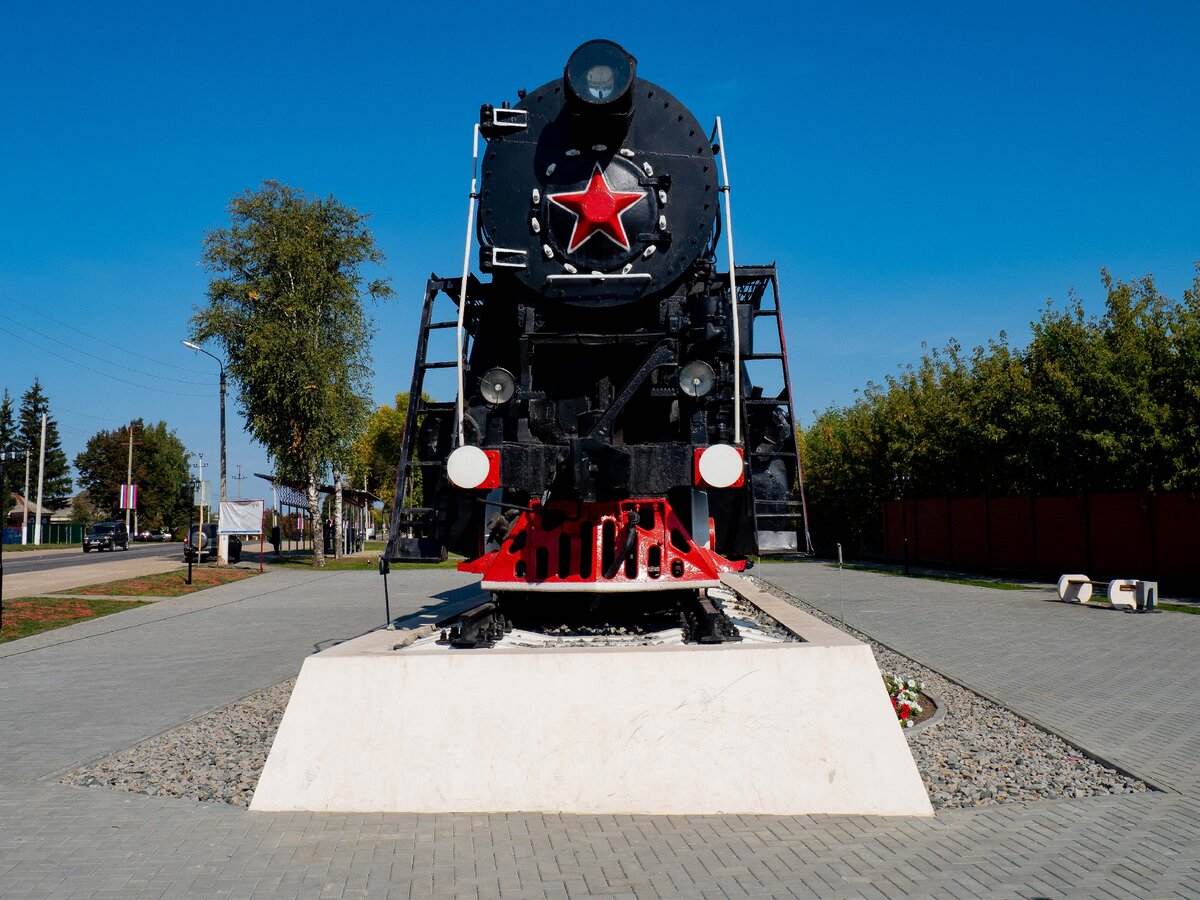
point(222, 540)
point(5, 455)
point(193, 546)
point(905, 480)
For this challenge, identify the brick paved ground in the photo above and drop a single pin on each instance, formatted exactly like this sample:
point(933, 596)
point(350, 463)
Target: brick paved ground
point(96, 687)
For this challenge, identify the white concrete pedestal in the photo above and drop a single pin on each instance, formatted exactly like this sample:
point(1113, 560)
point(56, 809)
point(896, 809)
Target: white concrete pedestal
point(735, 728)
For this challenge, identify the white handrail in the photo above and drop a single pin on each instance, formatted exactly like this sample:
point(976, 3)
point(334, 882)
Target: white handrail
point(462, 292)
point(733, 297)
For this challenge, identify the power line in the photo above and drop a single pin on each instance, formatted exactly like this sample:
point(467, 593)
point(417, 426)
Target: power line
point(100, 340)
point(90, 416)
point(102, 359)
point(97, 371)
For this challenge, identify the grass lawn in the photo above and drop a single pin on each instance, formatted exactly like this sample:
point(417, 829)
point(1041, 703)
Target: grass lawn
point(1167, 607)
point(31, 615)
point(18, 548)
point(1179, 607)
point(973, 582)
point(167, 584)
point(353, 563)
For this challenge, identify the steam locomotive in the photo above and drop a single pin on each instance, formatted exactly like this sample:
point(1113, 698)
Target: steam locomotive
point(598, 441)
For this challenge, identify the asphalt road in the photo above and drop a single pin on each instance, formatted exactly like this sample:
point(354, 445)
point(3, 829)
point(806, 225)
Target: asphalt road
point(31, 573)
point(46, 560)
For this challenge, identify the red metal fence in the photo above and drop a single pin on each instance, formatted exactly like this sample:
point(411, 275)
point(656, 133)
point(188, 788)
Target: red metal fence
point(1119, 535)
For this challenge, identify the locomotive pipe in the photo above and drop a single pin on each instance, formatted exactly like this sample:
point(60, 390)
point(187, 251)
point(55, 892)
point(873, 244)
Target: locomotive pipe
point(462, 291)
point(733, 299)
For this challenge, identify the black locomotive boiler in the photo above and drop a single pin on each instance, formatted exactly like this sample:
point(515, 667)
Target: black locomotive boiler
point(605, 436)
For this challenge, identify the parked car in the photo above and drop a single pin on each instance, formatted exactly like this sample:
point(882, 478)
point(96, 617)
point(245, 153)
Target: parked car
point(106, 536)
point(201, 544)
point(160, 534)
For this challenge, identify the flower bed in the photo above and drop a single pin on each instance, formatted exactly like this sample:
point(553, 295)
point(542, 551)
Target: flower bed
point(908, 698)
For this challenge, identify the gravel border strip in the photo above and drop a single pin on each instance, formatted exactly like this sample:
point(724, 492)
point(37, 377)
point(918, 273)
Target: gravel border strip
point(983, 752)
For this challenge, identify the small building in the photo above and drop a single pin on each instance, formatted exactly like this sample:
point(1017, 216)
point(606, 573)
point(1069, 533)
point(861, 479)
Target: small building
point(16, 512)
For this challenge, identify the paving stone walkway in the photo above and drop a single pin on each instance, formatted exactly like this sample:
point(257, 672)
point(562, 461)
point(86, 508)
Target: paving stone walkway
point(1119, 685)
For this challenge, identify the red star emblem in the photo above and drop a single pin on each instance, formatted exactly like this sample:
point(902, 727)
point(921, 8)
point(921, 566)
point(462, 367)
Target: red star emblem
point(597, 210)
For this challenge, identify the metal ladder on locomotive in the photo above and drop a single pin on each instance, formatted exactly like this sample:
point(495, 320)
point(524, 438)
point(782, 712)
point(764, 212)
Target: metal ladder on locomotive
point(781, 526)
point(413, 527)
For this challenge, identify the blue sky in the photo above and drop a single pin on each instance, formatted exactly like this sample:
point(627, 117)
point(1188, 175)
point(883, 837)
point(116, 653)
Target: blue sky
point(917, 171)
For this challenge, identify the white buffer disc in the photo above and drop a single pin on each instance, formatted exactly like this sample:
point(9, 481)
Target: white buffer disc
point(468, 467)
point(720, 466)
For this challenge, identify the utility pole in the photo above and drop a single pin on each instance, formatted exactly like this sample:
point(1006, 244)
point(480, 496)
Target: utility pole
point(223, 540)
point(129, 475)
point(239, 478)
point(200, 479)
point(37, 526)
point(5, 454)
point(25, 503)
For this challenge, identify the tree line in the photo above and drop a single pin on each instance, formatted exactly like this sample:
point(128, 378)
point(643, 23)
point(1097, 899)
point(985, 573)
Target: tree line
point(21, 431)
point(159, 462)
point(285, 306)
point(159, 465)
point(1092, 403)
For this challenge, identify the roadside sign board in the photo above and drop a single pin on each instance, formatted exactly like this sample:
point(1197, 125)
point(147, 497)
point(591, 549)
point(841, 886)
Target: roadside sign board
point(240, 517)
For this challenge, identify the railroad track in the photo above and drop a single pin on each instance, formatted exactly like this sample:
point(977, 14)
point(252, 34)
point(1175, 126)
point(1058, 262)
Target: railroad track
point(586, 618)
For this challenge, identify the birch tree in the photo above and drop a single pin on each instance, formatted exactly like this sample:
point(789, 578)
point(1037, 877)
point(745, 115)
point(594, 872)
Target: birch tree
point(286, 305)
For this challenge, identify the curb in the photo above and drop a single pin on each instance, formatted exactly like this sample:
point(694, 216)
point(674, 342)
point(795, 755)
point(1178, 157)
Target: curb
point(939, 712)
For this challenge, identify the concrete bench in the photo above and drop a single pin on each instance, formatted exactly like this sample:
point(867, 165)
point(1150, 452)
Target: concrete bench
point(1129, 594)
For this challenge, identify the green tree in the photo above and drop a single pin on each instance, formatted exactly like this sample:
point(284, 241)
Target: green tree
point(10, 439)
point(83, 511)
point(1093, 403)
point(285, 304)
point(1101, 388)
point(377, 453)
point(1181, 392)
point(57, 482)
point(159, 470)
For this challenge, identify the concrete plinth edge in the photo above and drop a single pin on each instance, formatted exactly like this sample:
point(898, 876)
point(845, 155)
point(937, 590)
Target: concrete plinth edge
point(782, 729)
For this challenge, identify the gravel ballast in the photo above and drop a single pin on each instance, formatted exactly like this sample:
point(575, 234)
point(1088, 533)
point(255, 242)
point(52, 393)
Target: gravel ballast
point(979, 754)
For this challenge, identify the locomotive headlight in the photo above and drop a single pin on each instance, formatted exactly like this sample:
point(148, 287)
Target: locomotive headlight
point(601, 82)
point(599, 73)
point(497, 385)
point(697, 378)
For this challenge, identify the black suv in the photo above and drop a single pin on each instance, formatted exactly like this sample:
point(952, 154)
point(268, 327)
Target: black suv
point(205, 538)
point(106, 536)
